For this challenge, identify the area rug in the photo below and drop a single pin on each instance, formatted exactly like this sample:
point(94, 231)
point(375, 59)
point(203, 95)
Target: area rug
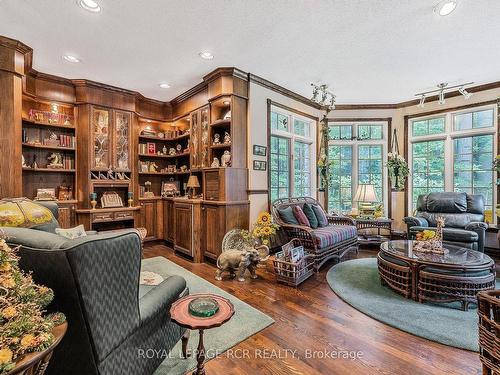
point(357, 283)
point(246, 321)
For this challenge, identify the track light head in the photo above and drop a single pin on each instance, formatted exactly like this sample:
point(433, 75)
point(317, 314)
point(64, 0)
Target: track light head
point(465, 93)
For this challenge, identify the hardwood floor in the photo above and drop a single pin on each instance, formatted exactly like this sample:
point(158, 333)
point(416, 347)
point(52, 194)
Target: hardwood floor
point(312, 319)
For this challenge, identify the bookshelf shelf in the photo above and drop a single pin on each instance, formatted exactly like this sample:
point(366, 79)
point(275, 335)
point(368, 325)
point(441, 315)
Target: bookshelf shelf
point(47, 147)
point(27, 121)
point(49, 170)
point(156, 138)
point(164, 156)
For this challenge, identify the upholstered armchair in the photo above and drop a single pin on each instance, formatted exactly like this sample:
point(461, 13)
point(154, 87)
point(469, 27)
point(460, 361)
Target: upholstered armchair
point(463, 214)
point(332, 240)
point(111, 318)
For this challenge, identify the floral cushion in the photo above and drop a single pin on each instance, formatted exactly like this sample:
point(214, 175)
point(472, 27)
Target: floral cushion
point(300, 216)
point(328, 236)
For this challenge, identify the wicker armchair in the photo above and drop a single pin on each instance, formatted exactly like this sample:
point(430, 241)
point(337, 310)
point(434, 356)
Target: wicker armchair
point(344, 229)
point(489, 330)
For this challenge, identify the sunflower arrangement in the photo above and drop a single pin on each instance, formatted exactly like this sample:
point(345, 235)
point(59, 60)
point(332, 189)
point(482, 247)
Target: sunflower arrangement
point(23, 327)
point(264, 228)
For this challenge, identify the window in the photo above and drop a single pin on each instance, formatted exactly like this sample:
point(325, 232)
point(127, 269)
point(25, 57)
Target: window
point(357, 153)
point(453, 152)
point(291, 154)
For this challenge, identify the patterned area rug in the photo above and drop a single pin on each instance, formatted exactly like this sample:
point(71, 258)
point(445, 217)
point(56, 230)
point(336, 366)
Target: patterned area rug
point(357, 283)
point(247, 321)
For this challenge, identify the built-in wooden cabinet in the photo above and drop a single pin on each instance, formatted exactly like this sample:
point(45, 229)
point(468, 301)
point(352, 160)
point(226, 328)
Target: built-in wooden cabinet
point(67, 214)
point(148, 218)
point(168, 219)
point(183, 224)
point(200, 138)
point(225, 184)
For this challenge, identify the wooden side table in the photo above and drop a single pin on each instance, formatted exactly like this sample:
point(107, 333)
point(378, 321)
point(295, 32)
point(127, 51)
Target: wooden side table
point(179, 313)
point(380, 224)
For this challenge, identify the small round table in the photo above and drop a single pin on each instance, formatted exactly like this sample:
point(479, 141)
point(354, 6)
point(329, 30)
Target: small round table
point(179, 313)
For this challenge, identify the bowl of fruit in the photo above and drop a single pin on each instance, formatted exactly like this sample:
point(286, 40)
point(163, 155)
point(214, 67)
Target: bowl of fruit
point(425, 235)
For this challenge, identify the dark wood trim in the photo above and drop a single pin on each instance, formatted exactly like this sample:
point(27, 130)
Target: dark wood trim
point(281, 90)
point(293, 110)
point(224, 94)
point(258, 191)
point(268, 127)
point(189, 93)
point(225, 71)
point(405, 148)
point(389, 149)
point(360, 119)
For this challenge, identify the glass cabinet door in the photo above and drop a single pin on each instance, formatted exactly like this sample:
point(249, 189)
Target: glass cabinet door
point(101, 153)
point(121, 141)
point(194, 147)
point(205, 141)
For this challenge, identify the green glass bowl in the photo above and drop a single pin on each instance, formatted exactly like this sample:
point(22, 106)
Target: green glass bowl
point(203, 307)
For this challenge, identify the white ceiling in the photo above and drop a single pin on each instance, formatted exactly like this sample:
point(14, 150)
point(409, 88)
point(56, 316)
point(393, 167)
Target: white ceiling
point(369, 51)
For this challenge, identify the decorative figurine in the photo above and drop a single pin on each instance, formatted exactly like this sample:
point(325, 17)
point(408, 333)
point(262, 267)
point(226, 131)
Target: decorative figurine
point(226, 159)
point(227, 138)
point(217, 139)
point(215, 163)
point(179, 148)
point(171, 151)
point(55, 160)
point(183, 168)
point(153, 167)
point(164, 150)
point(236, 262)
point(35, 164)
point(148, 193)
point(130, 198)
point(434, 244)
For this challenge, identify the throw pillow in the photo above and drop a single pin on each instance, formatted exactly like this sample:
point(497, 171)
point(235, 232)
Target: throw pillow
point(72, 233)
point(287, 216)
point(320, 215)
point(300, 216)
point(313, 220)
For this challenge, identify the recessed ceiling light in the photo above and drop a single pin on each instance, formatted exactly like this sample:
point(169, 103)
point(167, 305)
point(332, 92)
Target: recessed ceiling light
point(206, 55)
point(445, 7)
point(164, 85)
point(90, 5)
point(71, 59)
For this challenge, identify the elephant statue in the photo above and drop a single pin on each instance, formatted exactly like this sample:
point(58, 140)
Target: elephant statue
point(236, 262)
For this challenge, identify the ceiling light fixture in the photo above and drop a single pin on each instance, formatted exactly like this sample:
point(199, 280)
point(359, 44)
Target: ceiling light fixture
point(442, 89)
point(164, 85)
point(465, 93)
point(90, 5)
point(71, 58)
point(445, 7)
point(206, 55)
point(422, 101)
point(324, 97)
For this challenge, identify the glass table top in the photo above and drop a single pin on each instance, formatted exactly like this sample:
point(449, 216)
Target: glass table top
point(454, 256)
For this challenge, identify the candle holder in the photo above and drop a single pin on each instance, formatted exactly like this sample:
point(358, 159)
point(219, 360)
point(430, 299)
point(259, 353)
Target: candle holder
point(130, 198)
point(93, 200)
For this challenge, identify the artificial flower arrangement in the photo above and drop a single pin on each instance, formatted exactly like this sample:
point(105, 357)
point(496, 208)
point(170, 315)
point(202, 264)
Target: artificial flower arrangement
point(324, 169)
point(23, 326)
point(398, 170)
point(263, 229)
point(496, 163)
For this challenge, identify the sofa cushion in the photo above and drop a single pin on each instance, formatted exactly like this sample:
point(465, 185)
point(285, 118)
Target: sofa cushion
point(301, 216)
point(320, 215)
point(311, 216)
point(451, 234)
point(327, 236)
point(287, 215)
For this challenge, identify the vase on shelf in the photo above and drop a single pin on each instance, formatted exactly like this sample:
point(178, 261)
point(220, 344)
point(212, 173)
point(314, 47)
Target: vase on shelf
point(93, 200)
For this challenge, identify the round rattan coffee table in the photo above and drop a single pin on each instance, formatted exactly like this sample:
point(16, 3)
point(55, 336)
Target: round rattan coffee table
point(457, 275)
point(179, 313)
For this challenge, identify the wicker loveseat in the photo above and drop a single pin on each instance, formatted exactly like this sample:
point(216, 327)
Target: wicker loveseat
point(332, 241)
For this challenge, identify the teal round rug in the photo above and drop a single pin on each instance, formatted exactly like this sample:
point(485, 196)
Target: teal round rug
point(357, 283)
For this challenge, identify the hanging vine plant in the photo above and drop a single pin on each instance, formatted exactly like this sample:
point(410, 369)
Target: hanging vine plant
point(397, 167)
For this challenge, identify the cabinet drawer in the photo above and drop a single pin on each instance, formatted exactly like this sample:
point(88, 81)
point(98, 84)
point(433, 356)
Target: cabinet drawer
point(102, 216)
point(123, 215)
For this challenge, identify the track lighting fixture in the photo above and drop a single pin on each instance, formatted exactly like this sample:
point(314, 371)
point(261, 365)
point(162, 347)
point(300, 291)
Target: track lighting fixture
point(442, 89)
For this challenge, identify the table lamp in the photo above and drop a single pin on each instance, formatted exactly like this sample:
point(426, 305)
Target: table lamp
point(365, 196)
point(192, 184)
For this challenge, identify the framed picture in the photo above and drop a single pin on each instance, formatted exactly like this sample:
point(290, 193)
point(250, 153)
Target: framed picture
point(169, 188)
point(259, 165)
point(259, 150)
point(111, 199)
point(48, 194)
point(151, 148)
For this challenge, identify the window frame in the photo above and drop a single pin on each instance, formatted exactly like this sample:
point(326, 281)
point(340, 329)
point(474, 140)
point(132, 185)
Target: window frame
point(292, 138)
point(354, 143)
point(449, 136)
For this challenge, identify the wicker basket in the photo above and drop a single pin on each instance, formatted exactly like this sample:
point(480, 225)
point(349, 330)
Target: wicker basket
point(489, 330)
point(294, 273)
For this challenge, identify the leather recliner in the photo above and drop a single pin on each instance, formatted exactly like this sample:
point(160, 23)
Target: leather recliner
point(463, 214)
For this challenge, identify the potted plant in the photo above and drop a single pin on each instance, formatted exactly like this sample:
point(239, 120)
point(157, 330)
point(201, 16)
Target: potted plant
point(24, 328)
point(398, 170)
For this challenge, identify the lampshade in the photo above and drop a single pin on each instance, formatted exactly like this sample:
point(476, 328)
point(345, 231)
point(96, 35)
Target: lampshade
point(193, 182)
point(365, 193)
point(21, 212)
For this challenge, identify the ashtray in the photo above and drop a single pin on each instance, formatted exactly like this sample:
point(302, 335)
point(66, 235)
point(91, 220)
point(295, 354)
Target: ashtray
point(203, 307)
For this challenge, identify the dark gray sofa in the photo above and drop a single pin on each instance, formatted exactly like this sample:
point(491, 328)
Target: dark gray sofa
point(112, 320)
point(463, 214)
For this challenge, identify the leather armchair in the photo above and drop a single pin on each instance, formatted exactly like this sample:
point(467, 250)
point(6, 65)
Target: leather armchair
point(111, 318)
point(463, 214)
